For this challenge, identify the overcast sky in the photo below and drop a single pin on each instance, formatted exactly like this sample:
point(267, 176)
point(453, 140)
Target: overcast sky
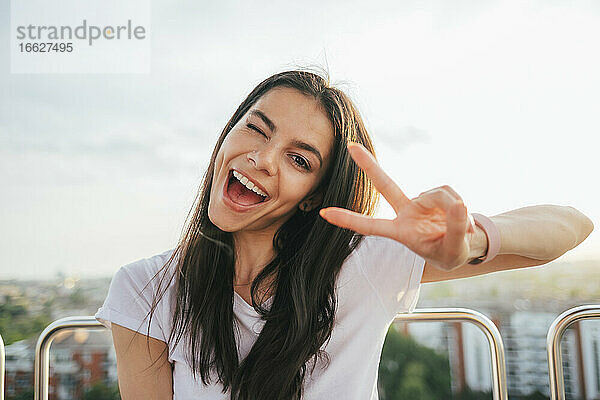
point(499, 100)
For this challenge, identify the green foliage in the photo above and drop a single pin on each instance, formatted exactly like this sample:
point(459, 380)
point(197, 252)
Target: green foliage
point(26, 395)
point(102, 391)
point(409, 371)
point(468, 394)
point(17, 323)
point(537, 395)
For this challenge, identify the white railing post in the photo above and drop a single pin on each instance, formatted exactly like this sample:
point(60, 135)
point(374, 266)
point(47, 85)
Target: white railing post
point(42, 349)
point(41, 362)
point(553, 339)
point(490, 331)
point(2, 369)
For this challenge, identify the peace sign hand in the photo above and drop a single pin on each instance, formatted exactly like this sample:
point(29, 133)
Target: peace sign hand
point(434, 225)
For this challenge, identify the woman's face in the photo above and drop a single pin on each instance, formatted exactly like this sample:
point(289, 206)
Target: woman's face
point(282, 147)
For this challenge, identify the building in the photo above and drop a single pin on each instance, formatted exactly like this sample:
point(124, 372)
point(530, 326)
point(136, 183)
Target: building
point(78, 359)
point(523, 328)
point(19, 368)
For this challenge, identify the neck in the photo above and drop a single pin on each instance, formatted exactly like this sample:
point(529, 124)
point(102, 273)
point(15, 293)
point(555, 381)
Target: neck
point(254, 250)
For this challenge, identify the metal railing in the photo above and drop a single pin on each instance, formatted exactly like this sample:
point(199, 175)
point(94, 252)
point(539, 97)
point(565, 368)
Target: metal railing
point(2, 358)
point(499, 390)
point(41, 363)
point(555, 335)
point(42, 349)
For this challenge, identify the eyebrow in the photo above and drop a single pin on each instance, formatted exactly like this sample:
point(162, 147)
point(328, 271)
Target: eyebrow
point(297, 143)
point(308, 147)
point(265, 119)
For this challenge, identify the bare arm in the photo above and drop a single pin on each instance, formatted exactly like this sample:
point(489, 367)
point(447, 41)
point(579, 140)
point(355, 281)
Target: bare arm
point(138, 377)
point(435, 225)
point(530, 236)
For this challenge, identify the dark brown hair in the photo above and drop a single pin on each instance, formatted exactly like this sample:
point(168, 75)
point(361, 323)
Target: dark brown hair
point(309, 253)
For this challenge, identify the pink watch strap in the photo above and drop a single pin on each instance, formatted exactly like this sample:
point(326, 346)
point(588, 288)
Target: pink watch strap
point(492, 233)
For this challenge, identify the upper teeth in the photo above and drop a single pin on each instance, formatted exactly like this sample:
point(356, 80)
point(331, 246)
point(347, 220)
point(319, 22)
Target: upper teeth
point(248, 183)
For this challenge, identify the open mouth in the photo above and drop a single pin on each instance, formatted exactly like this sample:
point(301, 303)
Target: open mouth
point(243, 192)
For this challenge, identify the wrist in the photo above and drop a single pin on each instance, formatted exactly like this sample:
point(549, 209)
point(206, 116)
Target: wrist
point(478, 244)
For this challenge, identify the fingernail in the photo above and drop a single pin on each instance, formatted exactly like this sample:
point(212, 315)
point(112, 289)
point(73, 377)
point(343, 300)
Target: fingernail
point(471, 223)
point(322, 212)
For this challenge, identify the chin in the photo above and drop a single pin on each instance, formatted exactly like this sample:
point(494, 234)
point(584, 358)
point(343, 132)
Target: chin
point(219, 220)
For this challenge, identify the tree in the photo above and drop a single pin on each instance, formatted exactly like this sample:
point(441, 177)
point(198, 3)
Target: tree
point(17, 323)
point(468, 394)
point(26, 395)
point(537, 395)
point(102, 391)
point(409, 371)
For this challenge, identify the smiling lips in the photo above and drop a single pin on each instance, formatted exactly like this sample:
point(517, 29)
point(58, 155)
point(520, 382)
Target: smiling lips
point(248, 183)
point(242, 191)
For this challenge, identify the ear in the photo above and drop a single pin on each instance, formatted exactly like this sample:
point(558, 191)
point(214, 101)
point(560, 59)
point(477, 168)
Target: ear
point(311, 202)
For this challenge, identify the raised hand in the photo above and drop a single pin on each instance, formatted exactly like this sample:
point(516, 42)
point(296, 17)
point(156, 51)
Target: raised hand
point(434, 225)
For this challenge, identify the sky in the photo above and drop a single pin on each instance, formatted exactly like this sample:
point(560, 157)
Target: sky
point(498, 100)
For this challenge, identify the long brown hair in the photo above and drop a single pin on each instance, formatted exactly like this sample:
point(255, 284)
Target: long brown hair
point(309, 253)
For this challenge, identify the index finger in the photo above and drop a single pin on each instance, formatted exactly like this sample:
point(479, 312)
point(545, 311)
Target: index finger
point(384, 184)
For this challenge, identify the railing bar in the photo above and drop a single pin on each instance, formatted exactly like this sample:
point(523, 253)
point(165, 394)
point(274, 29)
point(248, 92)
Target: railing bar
point(41, 363)
point(499, 389)
point(553, 344)
point(2, 367)
point(42, 349)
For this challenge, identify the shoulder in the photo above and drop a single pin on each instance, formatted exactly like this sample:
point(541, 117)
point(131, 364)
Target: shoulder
point(146, 268)
point(144, 276)
point(132, 294)
point(378, 254)
point(393, 270)
point(379, 246)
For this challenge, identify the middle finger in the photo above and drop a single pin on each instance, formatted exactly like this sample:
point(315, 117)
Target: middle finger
point(439, 198)
point(448, 199)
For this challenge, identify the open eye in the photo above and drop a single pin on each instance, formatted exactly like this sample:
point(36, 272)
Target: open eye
point(301, 162)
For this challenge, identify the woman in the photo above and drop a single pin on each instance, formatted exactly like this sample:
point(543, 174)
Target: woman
point(283, 286)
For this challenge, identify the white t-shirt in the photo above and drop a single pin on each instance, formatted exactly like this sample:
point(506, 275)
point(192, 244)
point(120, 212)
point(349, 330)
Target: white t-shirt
point(378, 280)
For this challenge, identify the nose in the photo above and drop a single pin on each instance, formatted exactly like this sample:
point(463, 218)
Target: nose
point(264, 159)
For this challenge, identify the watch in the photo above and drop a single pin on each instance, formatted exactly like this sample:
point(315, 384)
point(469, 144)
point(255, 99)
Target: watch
point(493, 238)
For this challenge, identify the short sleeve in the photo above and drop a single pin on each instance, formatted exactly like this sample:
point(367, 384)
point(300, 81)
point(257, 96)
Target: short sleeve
point(130, 296)
point(394, 272)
